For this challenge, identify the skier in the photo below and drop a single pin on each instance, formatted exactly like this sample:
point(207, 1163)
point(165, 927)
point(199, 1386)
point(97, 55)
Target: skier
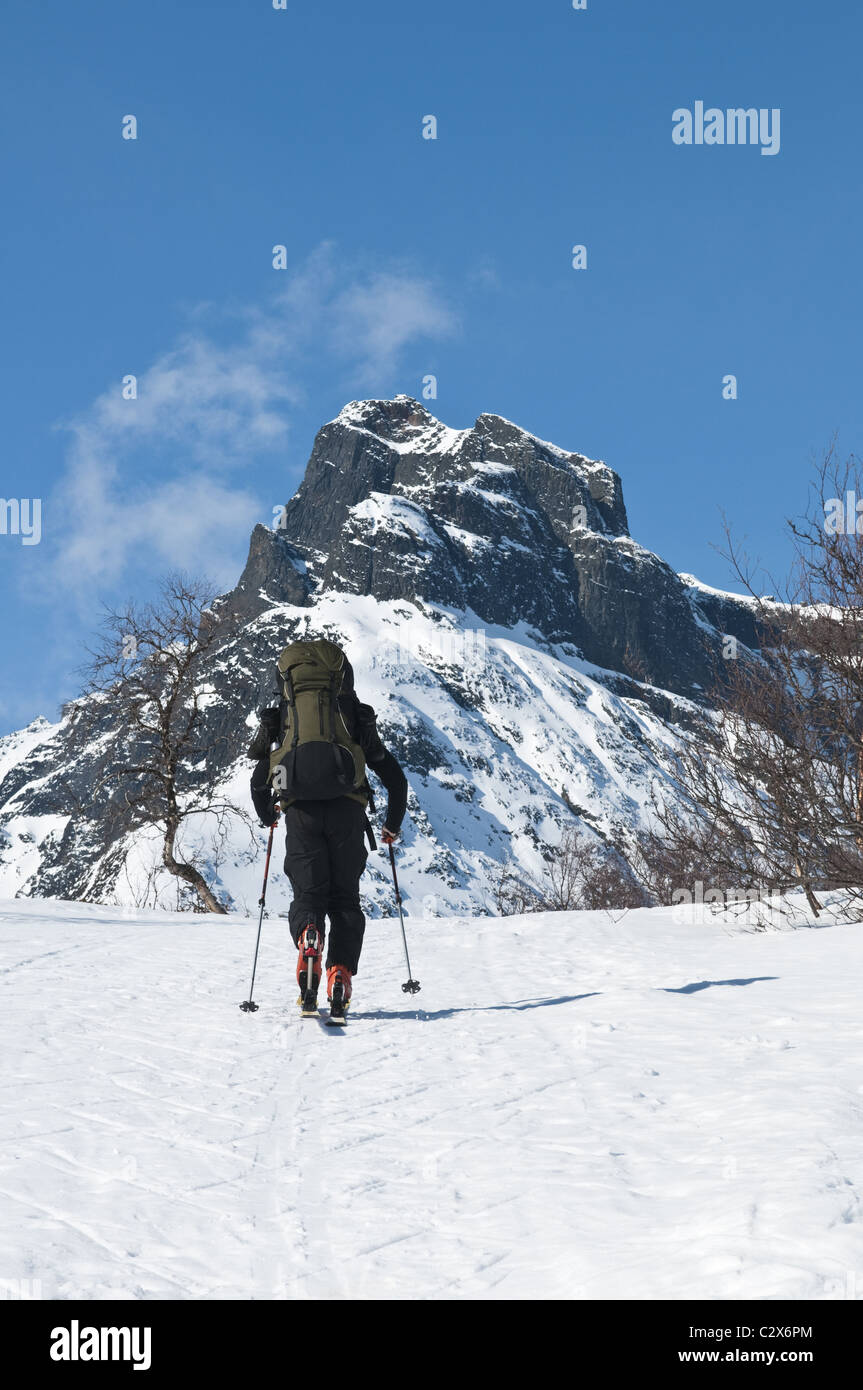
point(325, 739)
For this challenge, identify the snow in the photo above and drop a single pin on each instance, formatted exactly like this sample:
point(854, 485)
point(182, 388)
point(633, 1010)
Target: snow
point(432, 437)
point(17, 746)
point(634, 550)
point(573, 1107)
point(22, 845)
point(692, 583)
point(383, 511)
point(500, 470)
point(511, 729)
point(566, 456)
point(468, 540)
point(497, 499)
point(296, 561)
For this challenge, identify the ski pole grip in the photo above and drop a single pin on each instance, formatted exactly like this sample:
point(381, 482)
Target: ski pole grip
point(395, 878)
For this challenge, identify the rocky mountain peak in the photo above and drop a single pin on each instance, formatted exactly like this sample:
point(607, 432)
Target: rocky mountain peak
point(409, 429)
point(488, 520)
point(398, 420)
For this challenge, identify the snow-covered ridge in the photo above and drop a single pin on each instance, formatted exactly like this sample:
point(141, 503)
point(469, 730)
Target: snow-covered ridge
point(692, 583)
point(17, 746)
point(422, 432)
point(427, 435)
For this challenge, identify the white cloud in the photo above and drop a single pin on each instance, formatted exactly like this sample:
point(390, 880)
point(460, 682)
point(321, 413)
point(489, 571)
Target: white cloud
point(190, 522)
point(208, 412)
point(380, 318)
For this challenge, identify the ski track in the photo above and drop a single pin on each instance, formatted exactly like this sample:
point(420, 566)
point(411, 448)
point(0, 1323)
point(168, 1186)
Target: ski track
point(571, 1108)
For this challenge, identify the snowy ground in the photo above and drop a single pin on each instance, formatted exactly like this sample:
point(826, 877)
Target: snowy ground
point(574, 1109)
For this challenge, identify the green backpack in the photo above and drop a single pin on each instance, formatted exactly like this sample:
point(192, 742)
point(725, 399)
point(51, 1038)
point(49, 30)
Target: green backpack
point(317, 759)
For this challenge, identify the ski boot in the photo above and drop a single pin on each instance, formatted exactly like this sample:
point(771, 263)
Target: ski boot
point(339, 994)
point(309, 969)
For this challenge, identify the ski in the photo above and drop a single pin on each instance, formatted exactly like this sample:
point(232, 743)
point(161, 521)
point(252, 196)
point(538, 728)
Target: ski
point(308, 1002)
point(338, 1006)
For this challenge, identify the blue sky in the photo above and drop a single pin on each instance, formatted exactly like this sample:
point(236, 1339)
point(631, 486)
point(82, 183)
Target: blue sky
point(406, 257)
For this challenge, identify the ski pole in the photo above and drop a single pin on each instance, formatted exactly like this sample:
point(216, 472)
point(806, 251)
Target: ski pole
point(247, 1006)
point(412, 985)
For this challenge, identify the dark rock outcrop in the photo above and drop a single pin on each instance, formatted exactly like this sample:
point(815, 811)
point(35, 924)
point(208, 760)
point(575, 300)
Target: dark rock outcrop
point(492, 521)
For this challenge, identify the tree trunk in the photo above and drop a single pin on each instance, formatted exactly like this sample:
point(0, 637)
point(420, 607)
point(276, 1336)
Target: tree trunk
point(807, 889)
point(187, 872)
point(858, 800)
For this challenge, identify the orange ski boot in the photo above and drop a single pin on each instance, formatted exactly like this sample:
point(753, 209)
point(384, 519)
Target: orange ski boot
point(309, 955)
point(338, 993)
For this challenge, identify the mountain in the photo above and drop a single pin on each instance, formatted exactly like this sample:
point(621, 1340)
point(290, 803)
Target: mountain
point(493, 521)
point(530, 663)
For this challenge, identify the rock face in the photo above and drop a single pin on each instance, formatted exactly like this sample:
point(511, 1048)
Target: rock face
point(529, 661)
point(491, 521)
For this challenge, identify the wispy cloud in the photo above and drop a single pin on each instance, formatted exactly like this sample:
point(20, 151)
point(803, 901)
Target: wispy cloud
point(168, 478)
point(380, 318)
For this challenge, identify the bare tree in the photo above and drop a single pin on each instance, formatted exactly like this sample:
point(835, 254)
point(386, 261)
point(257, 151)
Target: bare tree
point(772, 792)
point(579, 874)
point(513, 894)
point(148, 679)
point(610, 884)
point(568, 872)
point(662, 864)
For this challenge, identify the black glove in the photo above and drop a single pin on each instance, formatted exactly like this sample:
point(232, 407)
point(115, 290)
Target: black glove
point(263, 796)
point(267, 733)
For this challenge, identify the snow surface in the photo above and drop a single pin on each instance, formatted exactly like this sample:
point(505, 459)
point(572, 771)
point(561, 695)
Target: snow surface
point(17, 746)
point(573, 1107)
point(432, 437)
point(385, 511)
point(692, 582)
point(511, 734)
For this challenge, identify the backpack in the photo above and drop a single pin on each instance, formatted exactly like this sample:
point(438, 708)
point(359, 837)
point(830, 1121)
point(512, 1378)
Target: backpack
point(317, 758)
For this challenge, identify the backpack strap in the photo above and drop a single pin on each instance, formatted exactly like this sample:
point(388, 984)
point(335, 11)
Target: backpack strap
point(333, 744)
point(333, 698)
point(292, 708)
point(373, 844)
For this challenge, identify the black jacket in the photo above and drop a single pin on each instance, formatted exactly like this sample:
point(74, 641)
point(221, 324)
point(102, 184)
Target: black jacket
point(362, 726)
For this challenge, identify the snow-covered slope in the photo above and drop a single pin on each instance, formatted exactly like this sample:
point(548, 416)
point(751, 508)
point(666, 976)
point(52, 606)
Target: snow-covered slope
point(505, 740)
point(573, 1107)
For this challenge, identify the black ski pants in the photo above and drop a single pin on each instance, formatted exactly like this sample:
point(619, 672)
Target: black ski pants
point(325, 854)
